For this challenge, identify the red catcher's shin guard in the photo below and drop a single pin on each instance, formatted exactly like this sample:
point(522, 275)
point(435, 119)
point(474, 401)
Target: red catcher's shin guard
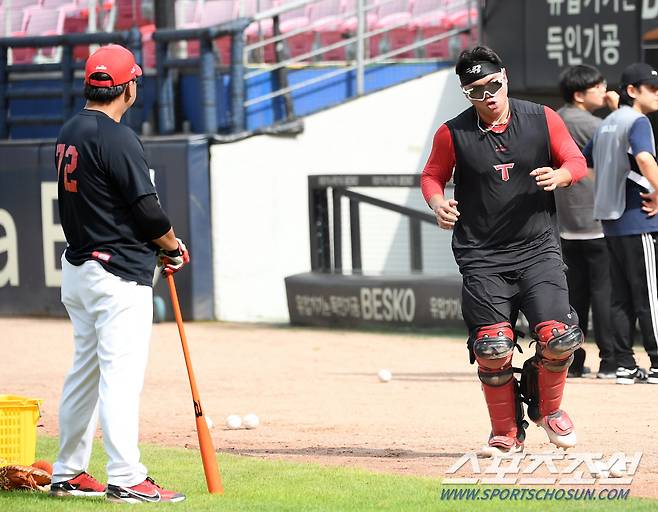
point(501, 402)
point(551, 388)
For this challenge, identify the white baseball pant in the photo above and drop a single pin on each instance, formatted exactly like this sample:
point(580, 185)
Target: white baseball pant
point(112, 321)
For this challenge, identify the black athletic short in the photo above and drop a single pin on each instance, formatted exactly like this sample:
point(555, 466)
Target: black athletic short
point(539, 291)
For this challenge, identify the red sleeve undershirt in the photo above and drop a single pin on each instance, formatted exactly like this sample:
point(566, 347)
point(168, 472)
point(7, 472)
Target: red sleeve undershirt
point(441, 162)
point(564, 152)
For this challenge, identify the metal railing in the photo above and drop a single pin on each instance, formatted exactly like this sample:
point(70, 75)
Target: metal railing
point(166, 66)
point(325, 193)
point(357, 39)
point(65, 69)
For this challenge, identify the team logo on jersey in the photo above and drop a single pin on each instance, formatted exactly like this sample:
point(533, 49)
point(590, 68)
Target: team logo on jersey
point(500, 148)
point(504, 170)
point(475, 69)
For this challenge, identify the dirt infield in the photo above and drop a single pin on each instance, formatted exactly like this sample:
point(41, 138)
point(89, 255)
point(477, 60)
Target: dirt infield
point(319, 399)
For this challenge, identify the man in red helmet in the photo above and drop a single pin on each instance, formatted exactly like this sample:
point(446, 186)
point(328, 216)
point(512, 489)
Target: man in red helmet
point(508, 156)
point(114, 229)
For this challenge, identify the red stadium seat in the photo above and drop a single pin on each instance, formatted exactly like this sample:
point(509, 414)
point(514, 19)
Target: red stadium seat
point(16, 19)
point(429, 18)
point(187, 13)
point(295, 20)
point(40, 22)
point(393, 15)
point(258, 30)
point(326, 22)
point(148, 45)
point(350, 23)
point(214, 12)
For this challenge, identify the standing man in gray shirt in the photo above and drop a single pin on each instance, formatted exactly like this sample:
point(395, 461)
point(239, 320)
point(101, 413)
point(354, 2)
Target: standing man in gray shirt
point(583, 246)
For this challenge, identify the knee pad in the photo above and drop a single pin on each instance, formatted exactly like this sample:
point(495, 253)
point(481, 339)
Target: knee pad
point(494, 346)
point(556, 343)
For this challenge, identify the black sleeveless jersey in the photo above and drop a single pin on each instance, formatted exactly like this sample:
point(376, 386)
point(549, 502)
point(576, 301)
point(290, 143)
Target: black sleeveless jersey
point(506, 221)
point(102, 171)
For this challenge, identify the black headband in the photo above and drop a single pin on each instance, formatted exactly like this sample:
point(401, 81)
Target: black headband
point(478, 70)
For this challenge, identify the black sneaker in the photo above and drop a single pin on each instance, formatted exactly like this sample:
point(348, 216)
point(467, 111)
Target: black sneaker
point(653, 376)
point(82, 485)
point(606, 372)
point(145, 492)
point(631, 375)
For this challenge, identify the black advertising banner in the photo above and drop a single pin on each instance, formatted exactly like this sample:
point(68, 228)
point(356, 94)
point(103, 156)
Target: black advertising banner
point(333, 300)
point(32, 240)
point(562, 33)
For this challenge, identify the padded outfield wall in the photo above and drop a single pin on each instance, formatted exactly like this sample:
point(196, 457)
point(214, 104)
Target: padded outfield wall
point(260, 198)
point(32, 240)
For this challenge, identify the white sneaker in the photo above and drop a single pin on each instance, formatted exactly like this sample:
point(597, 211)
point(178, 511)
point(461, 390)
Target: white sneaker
point(630, 375)
point(653, 376)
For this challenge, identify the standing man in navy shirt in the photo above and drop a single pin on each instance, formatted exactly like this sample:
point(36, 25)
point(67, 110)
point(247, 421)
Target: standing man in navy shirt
point(508, 156)
point(623, 152)
point(114, 229)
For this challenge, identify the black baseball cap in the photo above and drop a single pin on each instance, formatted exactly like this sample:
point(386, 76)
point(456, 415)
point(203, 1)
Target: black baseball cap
point(639, 73)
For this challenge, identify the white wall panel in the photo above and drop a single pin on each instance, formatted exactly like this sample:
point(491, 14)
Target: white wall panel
point(260, 201)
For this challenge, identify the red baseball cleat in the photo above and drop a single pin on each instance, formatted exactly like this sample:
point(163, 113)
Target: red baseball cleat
point(147, 491)
point(81, 485)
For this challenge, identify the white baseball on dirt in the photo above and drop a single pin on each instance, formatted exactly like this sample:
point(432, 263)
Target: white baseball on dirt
point(209, 422)
point(384, 375)
point(233, 421)
point(251, 421)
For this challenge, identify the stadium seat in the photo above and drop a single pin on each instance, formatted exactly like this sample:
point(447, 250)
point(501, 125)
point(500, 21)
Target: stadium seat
point(326, 22)
point(393, 15)
point(350, 22)
point(295, 20)
point(40, 22)
point(212, 13)
point(148, 45)
point(429, 18)
point(257, 30)
point(130, 13)
point(15, 21)
point(194, 14)
point(17, 16)
point(55, 4)
point(187, 13)
point(460, 17)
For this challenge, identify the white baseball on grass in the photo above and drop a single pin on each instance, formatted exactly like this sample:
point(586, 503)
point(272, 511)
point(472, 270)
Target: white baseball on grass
point(233, 421)
point(251, 420)
point(384, 375)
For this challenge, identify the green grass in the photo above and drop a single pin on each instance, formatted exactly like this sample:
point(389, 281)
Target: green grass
point(254, 485)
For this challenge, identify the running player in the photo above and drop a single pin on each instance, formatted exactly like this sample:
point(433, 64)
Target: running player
point(508, 156)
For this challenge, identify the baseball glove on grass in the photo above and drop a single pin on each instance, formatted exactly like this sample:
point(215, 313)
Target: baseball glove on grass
point(24, 477)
